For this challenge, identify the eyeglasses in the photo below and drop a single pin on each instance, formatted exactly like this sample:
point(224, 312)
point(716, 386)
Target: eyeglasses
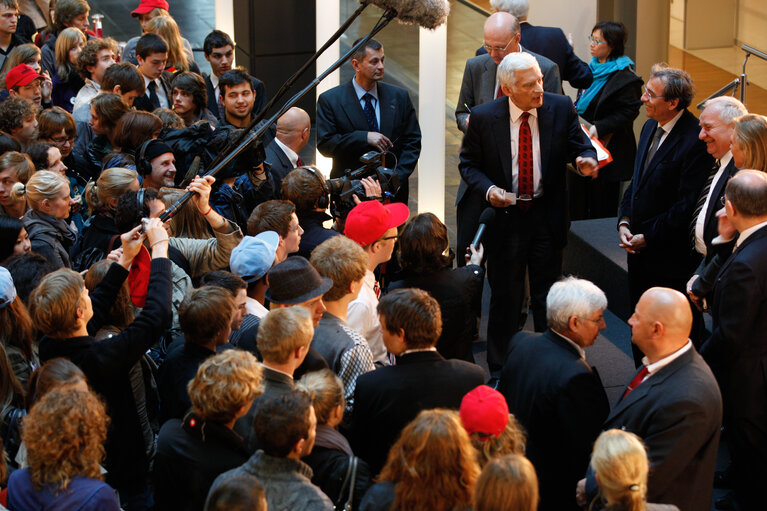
point(650, 93)
point(497, 49)
point(62, 141)
point(596, 41)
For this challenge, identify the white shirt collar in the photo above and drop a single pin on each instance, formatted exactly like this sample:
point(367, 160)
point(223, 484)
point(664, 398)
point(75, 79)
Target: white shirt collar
point(670, 124)
point(361, 92)
point(660, 364)
point(578, 348)
point(214, 80)
point(290, 153)
point(515, 112)
point(748, 232)
point(417, 350)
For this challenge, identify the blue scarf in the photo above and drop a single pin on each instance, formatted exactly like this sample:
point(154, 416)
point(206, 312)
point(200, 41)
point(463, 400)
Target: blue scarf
point(601, 72)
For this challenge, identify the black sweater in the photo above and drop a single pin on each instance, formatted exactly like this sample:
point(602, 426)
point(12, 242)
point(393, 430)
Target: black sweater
point(107, 363)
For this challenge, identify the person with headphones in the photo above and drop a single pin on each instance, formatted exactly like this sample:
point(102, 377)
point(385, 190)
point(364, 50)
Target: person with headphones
point(156, 164)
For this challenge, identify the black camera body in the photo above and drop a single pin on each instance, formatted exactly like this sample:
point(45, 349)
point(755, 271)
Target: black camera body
point(343, 189)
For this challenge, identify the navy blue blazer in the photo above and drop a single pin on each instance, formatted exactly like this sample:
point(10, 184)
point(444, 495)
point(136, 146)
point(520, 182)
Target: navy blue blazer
point(552, 43)
point(342, 128)
point(485, 157)
point(660, 200)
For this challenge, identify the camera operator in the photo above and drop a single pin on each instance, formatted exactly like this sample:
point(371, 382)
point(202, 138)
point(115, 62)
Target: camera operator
point(307, 189)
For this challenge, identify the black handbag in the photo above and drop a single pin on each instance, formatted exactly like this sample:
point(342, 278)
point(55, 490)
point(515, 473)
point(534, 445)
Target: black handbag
point(349, 482)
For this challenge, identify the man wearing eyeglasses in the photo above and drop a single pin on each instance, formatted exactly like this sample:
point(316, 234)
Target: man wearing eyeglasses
point(670, 171)
point(479, 86)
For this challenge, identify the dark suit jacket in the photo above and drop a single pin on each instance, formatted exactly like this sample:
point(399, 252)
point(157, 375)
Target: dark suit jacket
point(660, 200)
point(711, 225)
point(142, 102)
point(486, 153)
point(552, 43)
point(614, 113)
point(737, 348)
point(279, 163)
point(387, 399)
point(678, 414)
point(561, 403)
point(218, 110)
point(342, 129)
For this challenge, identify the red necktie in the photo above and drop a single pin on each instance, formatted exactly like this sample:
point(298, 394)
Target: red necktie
point(525, 163)
point(299, 163)
point(499, 94)
point(636, 381)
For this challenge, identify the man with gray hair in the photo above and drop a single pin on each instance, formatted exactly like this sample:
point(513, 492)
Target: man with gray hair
point(717, 123)
point(737, 348)
point(514, 156)
point(480, 85)
point(549, 42)
point(548, 384)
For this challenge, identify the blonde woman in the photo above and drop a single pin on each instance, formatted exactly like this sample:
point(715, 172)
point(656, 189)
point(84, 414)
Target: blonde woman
point(179, 58)
point(749, 142)
point(620, 462)
point(47, 194)
point(66, 79)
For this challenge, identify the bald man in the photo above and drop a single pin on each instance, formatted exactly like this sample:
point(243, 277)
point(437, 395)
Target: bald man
point(737, 348)
point(282, 153)
point(480, 85)
point(673, 403)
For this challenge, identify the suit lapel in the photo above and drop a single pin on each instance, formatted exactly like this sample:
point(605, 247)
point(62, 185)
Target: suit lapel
point(488, 91)
point(644, 142)
point(387, 106)
point(353, 109)
point(761, 233)
point(714, 205)
point(502, 134)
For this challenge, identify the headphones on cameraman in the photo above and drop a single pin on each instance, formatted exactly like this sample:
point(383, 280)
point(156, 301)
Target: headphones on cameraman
point(324, 201)
point(143, 167)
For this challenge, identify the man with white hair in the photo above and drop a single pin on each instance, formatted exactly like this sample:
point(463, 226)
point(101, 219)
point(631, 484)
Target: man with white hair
point(717, 123)
point(514, 155)
point(547, 383)
point(480, 85)
point(549, 42)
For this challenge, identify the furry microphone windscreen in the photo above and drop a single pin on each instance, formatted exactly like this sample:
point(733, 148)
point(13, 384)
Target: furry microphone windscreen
point(425, 13)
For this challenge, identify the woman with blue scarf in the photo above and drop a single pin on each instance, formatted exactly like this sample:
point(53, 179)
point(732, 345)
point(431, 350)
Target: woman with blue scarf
point(611, 104)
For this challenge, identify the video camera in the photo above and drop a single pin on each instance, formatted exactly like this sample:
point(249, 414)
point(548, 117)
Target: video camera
point(343, 189)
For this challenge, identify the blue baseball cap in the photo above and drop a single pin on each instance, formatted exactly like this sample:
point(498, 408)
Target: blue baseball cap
point(7, 289)
point(252, 258)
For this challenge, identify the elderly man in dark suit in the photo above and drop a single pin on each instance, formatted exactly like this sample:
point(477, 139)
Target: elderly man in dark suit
point(673, 403)
point(387, 399)
point(480, 85)
point(670, 171)
point(293, 129)
point(367, 115)
point(548, 383)
point(716, 128)
point(514, 155)
point(737, 348)
point(547, 41)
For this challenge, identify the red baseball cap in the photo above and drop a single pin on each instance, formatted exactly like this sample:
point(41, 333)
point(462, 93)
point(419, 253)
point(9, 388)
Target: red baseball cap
point(369, 220)
point(145, 6)
point(484, 411)
point(21, 75)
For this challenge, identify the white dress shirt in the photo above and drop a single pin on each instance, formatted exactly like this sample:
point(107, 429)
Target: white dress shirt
point(515, 118)
point(290, 153)
point(373, 92)
point(660, 364)
point(159, 89)
point(700, 222)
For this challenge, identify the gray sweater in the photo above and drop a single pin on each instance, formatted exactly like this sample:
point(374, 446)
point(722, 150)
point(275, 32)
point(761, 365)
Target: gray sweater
point(287, 483)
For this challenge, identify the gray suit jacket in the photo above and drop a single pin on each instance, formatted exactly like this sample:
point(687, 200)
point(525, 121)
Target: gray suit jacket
point(478, 84)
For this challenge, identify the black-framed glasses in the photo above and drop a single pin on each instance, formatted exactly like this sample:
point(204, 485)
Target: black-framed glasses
point(497, 49)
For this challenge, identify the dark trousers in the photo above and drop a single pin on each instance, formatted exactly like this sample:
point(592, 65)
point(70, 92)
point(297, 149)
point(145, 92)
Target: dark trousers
point(519, 241)
point(592, 198)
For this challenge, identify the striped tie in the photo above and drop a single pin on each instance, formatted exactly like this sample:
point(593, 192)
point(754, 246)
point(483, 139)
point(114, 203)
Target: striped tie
point(702, 201)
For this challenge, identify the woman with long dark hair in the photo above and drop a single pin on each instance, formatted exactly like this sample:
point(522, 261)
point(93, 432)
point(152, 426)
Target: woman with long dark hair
point(14, 239)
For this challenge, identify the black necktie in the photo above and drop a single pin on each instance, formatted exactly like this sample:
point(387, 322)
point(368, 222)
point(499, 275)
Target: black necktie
point(154, 100)
point(370, 112)
point(702, 200)
point(653, 146)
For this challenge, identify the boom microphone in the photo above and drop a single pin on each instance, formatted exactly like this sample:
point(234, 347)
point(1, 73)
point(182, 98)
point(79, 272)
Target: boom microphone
point(487, 217)
point(425, 13)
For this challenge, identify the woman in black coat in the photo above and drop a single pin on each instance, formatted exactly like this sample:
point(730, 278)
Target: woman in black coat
point(332, 455)
point(427, 264)
point(610, 105)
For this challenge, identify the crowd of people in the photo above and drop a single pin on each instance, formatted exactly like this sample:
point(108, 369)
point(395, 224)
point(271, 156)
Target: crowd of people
point(232, 351)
